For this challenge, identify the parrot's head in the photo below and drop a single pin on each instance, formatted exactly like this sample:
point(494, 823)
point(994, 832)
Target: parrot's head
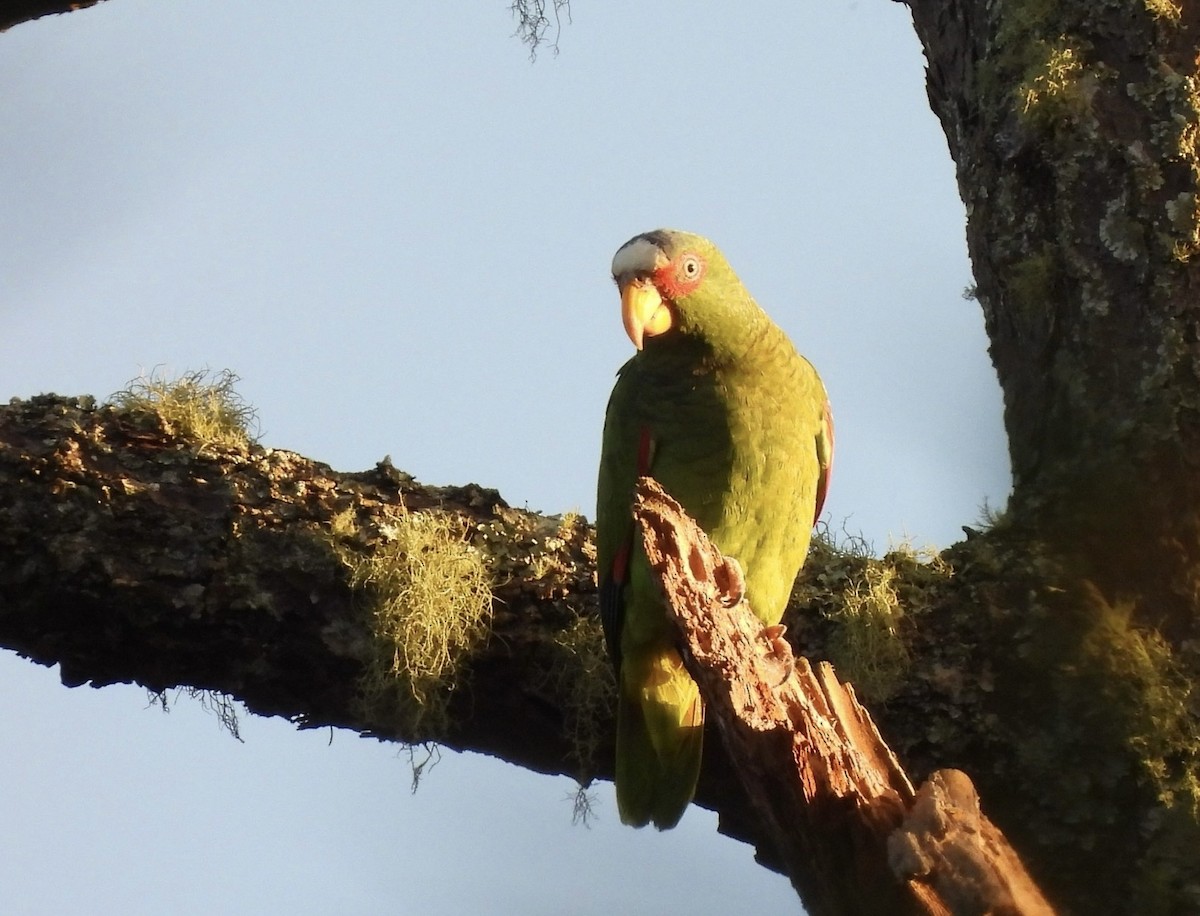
point(677, 285)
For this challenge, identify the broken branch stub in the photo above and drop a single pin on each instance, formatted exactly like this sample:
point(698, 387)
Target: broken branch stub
point(853, 834)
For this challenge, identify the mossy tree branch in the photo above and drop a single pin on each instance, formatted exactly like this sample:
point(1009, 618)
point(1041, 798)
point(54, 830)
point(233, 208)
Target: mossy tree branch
point(132, 552)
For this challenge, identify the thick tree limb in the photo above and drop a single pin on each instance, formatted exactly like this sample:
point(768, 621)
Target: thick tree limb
point(814, 765)
point(130, 553)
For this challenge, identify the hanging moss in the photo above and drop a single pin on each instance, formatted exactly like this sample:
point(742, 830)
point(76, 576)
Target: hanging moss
point(1146, 699)
point(580, 676)
point(866, 647)
point(551, 556)
point(428, 596)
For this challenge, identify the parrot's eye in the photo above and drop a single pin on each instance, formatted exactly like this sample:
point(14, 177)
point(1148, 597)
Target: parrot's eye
point(690, 267)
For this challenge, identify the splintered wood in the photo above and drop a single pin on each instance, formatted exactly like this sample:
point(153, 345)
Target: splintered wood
point(853, 833)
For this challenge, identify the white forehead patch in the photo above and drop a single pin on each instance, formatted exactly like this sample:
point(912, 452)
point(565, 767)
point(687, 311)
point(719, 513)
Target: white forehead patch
point(637, 256)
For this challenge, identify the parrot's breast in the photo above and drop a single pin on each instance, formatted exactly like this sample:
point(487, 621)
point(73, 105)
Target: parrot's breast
point(735, 445)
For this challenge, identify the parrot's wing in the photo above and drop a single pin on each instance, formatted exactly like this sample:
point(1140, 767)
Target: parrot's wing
point(614, 505)
point(824, 457)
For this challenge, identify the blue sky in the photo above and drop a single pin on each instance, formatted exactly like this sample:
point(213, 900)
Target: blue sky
point(397, 230)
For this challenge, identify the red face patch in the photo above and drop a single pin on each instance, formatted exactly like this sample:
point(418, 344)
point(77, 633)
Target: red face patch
point(681, 276)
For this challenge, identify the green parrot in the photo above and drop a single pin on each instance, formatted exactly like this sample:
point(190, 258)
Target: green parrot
point(721, 410)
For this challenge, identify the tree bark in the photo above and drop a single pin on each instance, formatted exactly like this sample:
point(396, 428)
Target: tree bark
point(129, 553)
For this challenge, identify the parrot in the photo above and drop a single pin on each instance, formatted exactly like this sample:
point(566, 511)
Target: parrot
point(718, 407)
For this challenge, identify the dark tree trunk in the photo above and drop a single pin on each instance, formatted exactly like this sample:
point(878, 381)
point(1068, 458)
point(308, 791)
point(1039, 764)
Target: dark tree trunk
point(1074, 127)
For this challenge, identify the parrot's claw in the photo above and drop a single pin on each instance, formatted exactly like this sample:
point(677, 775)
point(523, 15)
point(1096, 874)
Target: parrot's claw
point(731, 581)
point(778, 655)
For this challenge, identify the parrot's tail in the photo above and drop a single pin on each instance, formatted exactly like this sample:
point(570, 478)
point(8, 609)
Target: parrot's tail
point(660, 736)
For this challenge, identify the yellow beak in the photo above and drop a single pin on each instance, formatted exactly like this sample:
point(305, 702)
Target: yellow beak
point(643, 311)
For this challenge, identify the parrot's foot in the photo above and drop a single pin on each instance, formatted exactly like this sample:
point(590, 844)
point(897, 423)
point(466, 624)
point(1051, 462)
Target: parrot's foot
point(731, 581)
point(778, 655)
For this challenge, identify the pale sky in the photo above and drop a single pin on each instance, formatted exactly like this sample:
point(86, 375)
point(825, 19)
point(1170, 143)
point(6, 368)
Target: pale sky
point(397, 231)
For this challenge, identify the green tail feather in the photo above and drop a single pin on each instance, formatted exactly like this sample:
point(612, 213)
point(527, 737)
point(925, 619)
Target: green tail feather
point(659, 745)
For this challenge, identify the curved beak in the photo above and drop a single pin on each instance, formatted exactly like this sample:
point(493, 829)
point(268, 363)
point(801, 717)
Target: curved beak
point(643, 311)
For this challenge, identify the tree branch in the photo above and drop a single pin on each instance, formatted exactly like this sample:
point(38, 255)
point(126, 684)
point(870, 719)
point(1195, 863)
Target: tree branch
point(812, 762)
point(131, 553)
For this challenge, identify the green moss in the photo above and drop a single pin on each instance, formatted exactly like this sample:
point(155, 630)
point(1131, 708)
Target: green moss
point(869, 601)
point(1051, 88)
point(1126, 704)
point(580, 676)
point(1078, 725)
point(867, 648)
point(1032, 281)
point(344, 525)
point(1146, 700)
point(539, 550)
point(1100, 715)
point(989, 518)
point(198, 405)
point(1164, 10)
point(1018, 48)
point(553, 557)
point(428, 595)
